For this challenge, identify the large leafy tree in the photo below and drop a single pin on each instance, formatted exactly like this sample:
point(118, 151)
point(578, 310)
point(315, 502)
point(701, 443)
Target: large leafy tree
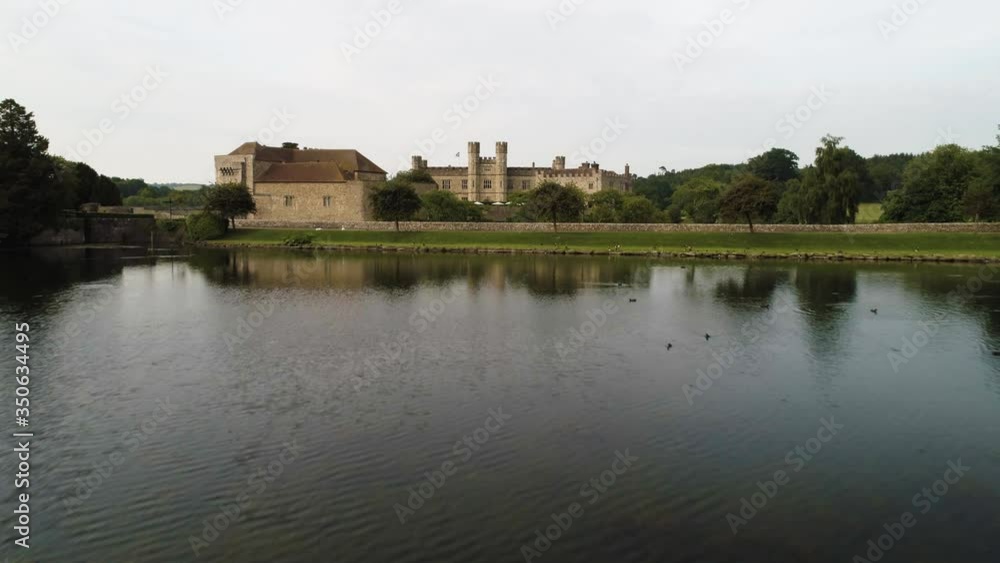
point(605, 206)
point(776, 165)
point(31, 196)
point(886, 173)
point(129, 186)
point(792, 206)
point(657, 188)
point(85, 185)
point(395, 201)
point(230, 201)
point(832, 186)
point(699, 200)
point(934, 185)
point(982, 200)
point(556, 203)
point(106, 192)
point(750, 198)
point(637, 209)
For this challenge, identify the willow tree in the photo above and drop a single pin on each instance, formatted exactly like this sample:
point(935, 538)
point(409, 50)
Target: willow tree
point(832, 186)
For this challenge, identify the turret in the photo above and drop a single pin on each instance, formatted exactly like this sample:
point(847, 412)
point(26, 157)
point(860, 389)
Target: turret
point(559, 163)
point(474, 183)
point(500, 178)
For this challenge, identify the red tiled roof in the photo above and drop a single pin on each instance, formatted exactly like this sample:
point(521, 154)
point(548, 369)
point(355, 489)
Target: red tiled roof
point(308, 165)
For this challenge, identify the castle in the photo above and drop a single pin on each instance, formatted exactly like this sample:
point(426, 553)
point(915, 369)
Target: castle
point(491, 179)
point(292, 184)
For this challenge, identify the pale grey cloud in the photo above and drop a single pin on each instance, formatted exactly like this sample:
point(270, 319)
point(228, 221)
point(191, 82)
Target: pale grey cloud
point(560, 80)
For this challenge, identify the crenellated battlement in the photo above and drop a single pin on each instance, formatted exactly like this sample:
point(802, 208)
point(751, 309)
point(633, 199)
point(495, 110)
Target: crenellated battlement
point(490, 177)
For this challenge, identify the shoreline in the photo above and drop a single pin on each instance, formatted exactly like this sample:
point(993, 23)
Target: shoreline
point(695, 255)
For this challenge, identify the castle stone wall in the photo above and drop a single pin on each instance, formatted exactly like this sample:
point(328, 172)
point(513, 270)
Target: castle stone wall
point(880, 228)
point(347, 202)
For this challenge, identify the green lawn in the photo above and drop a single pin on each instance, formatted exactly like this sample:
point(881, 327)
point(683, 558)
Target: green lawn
point(983, 245)
point(869, 213)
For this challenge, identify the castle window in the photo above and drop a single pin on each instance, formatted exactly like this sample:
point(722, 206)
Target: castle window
point(465, 185)
point(487, 185)
point(591, 186)
point(446, 184)
point(327, 201)
point(524, 185)
point(289, 200)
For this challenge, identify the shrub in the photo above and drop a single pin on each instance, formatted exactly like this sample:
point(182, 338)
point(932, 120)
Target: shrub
point(205, 226)
point(638, 209)
point(299, 240)
point(415, 177)
point(444, 206)
point(169, 225)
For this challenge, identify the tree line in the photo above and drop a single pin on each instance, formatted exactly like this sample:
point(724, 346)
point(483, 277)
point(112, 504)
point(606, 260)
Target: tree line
point(948, 184)
point(37, 187)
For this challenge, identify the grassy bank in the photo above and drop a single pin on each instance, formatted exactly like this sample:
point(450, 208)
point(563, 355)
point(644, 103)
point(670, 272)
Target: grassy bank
point(768, 245)
point(869, 213)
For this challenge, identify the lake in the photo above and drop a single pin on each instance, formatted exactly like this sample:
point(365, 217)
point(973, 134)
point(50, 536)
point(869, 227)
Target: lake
point(255, 405)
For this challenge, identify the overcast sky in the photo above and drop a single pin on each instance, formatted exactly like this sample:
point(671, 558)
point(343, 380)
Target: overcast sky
point(548, 76)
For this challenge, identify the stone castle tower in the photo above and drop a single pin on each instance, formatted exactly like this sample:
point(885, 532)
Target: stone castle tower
point(493, 179)
point(475, 171)
point(500, 182)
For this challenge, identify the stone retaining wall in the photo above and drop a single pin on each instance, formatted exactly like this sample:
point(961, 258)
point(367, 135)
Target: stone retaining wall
point(612, 228)
point(96, 229)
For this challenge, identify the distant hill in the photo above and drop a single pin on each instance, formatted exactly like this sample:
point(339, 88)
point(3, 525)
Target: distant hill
point(180, 187)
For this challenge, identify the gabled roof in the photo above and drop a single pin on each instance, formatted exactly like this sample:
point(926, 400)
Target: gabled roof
point(308, 165)
point(304, 172)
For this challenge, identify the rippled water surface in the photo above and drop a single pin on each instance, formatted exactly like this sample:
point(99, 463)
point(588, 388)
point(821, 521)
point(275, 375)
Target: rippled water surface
point(320, 394)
